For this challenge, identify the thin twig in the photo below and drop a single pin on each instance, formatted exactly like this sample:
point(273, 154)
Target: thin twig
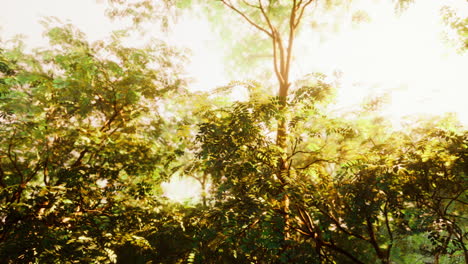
point(246, 18)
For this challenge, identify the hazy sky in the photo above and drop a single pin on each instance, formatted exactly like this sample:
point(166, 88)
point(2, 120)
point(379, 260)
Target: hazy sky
point(22, 16)
point(404, 54)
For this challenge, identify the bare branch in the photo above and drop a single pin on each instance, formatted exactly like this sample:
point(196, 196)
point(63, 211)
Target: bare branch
point(373, 239)
point(265, 15)
point(301, 13)
point(276, 40)
point(281, 50)
point(298, 5)
point(2, 177)
point(275, 62)
point(249, 4)
point(292, 29)
point(389, 230)
point(270, 34)
point(14, 161)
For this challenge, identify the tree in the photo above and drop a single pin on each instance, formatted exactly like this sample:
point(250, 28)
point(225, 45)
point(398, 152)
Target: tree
point(370, 199)
point(232, 141)
point(82, 146)
point(261, 15)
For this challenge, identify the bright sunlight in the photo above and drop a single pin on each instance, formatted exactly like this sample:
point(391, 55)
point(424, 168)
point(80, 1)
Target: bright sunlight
point(405, 55)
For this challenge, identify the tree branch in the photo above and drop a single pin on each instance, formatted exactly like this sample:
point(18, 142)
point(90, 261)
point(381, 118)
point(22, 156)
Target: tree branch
point(389, 230)
point(373, 239)
point(315, 234)
point(292, 29)
point(276, 39)
point(281, 60)
point(2, 177)
point(342, 251)
point(301, 13)
point(13, 161)
point(338, 225)
point(279, 44)
point(249, 4)
point(247, 18)
point(265, 15)
point(275, 62)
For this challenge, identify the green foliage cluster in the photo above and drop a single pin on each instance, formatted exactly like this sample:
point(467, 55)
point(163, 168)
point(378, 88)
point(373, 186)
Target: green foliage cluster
point(359, 192)
point(459, 24)
point(89, 131)
point(79, 159)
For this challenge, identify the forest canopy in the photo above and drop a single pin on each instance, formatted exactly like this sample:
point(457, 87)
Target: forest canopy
point(94, 132)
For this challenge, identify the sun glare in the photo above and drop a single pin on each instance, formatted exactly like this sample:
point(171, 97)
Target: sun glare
point(403, 55)
point(182, 189)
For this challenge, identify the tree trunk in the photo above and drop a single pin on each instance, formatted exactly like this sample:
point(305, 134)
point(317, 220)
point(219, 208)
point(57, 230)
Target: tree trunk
point(283, 166)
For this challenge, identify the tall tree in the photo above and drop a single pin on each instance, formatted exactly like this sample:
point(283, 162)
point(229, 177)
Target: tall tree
point(263, 15)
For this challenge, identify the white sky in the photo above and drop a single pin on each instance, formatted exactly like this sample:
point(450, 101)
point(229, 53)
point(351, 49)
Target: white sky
point(403, 54)
point(22, 16)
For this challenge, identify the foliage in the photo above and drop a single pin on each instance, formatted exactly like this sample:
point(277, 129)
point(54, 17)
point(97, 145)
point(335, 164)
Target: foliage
point(358, 192)
point(78, 156)
point(459, 24)
point(90, 130)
